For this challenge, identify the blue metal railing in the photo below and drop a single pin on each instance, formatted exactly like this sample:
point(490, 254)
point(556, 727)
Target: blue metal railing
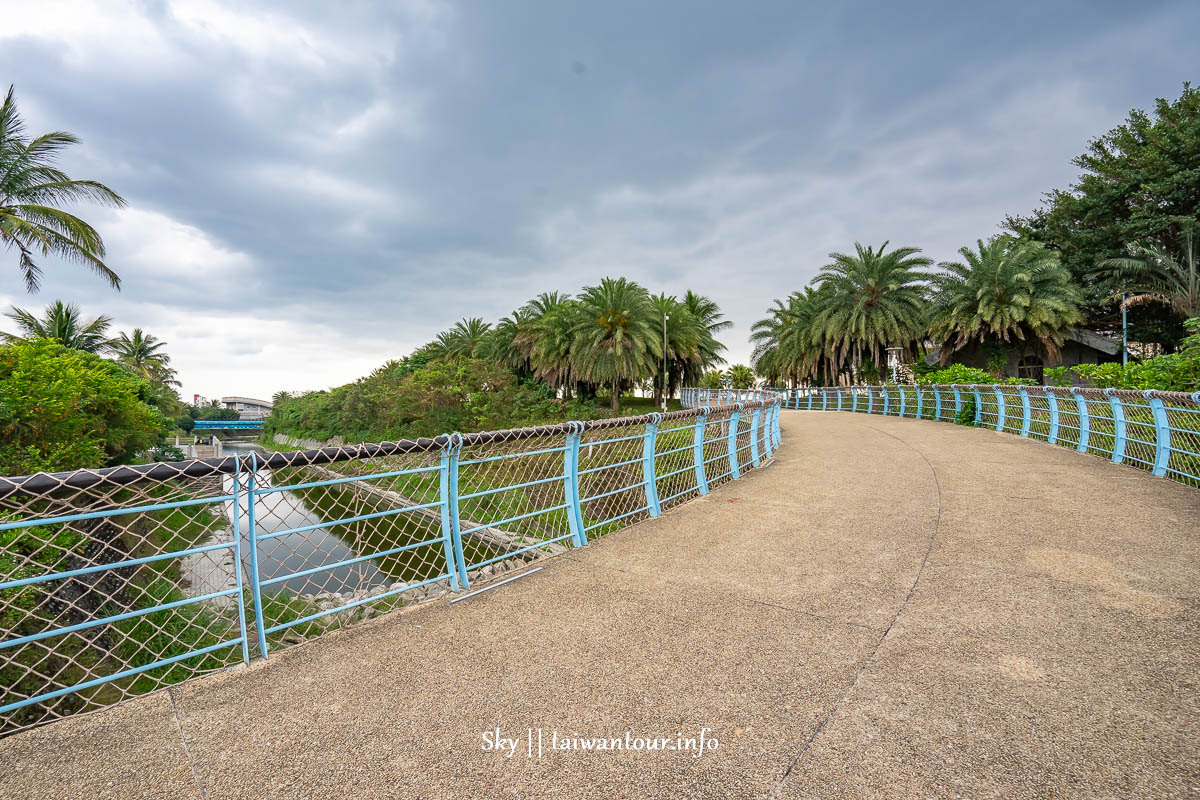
point(117, 581)
point(227, 424)
point(1156, 431)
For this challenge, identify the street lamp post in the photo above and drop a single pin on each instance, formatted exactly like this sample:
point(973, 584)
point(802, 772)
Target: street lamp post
point(1124, 331)
point(894, 360)
point(664, 389)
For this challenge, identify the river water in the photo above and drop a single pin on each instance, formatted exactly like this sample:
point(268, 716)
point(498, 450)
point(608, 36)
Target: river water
point(295, 552)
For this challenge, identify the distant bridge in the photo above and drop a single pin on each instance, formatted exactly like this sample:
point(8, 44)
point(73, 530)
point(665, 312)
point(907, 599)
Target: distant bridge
point(228, 424)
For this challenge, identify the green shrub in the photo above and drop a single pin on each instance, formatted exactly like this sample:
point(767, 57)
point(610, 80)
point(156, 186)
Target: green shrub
point(64, 409)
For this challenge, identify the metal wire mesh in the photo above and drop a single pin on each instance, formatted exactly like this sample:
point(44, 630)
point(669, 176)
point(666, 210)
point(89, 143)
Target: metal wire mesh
point(119, 581)
point(147, 596)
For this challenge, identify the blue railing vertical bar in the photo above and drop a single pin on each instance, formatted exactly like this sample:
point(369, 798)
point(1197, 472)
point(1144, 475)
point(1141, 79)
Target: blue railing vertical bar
point(255, 579)
point(1026, 414)
point(1052, 402)
point(236, 517)
point(698, 451)
point(1085, 427)
point(648, 477)
point(733, 434)
point(571, 484)
point(754, 460)
point(1118, 414)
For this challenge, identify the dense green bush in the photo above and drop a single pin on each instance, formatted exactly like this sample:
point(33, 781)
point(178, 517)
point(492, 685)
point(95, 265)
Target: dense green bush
point(1177, 372)
point(962, 374)
point(399, 401)
point(64, 409)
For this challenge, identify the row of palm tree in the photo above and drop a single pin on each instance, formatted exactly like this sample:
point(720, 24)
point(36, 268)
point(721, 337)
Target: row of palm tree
point(139, 352)
point(860, 305)
point(615, 334)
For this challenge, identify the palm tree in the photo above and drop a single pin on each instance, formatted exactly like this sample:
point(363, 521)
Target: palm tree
point(1157, 276)
point(615, 335)
point(741, 377)
point(142, 354)
point(550, 337)
point(32, 192)
point(467, 339)
point(788, 345)
point(875, 300)
point(64, 324)
point(681, 334)
point(709, 318)
point(1006, 289)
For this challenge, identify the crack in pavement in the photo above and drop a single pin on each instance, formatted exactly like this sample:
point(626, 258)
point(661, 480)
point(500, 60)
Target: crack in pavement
point(875, 650)
point(186, 748)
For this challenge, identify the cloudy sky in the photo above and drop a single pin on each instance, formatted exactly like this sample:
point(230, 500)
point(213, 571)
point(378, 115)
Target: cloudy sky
point(316, 187)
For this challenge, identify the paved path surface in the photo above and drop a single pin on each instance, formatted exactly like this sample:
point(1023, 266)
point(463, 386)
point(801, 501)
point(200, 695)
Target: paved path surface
point(895, 608)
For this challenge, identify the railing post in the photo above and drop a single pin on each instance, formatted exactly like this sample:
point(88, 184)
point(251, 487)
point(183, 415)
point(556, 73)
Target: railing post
point(1052, 401)
point(698, 451)
point(886, 399)
point(957, 401)
point(237, 556)
point(754, 437)
point(1026, 411)
point(902, 398)
point(810, 391)
point(1084, 423)
point(824, 398)
point(839, 397)
point(768, 429)
point(450, 516)
point(999, 408)
point(447, 529)
point(1118, 412)
point(978, 404)
point(870, 399)
point(260, 626)
point(1162, 434)
point(733, 432)
point(571, 483)
point(778, 431)
point(937, 404)
point(853, 399)
point(917, 389)
point(648, 477)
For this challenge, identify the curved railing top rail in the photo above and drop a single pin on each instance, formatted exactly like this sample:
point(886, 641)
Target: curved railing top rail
point(45, 482)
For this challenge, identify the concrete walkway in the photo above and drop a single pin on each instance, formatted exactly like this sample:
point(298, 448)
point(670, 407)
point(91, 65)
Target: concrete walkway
point(895, 608)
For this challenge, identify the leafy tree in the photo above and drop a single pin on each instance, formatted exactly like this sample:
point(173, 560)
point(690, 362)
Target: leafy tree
point(1006, 289)
point(1140, 183)
point(64, 324)
point(32, 194)
point(1157, 276)
point(143, 355)
point(741, 377)
point(713, 379)
point(615, 341)
point(63, 409)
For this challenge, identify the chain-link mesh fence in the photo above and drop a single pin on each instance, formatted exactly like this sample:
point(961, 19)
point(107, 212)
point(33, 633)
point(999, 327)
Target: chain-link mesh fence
point(118, 581)
point(1151, 430)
